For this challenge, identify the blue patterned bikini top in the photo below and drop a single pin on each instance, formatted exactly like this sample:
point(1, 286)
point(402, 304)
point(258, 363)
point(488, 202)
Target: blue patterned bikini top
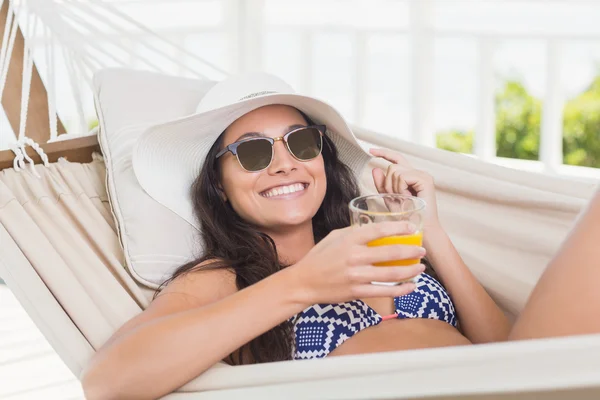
point(321, 328)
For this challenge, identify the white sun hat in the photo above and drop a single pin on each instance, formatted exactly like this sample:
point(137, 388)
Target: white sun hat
point(167, 157)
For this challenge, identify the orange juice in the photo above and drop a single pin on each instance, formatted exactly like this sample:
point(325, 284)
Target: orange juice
point(415, 239)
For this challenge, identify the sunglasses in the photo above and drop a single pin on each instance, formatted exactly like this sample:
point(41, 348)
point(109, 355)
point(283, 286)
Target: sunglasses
point(256, 154)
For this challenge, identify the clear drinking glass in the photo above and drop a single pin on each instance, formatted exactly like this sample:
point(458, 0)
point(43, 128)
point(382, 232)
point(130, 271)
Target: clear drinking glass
point(391, 207)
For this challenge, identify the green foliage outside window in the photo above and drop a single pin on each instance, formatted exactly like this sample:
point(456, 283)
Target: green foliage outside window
point(518, 122)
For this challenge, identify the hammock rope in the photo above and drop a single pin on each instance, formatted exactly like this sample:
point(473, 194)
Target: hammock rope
point(66, 27)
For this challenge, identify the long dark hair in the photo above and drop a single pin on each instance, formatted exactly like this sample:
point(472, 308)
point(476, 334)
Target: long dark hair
point(232, 243)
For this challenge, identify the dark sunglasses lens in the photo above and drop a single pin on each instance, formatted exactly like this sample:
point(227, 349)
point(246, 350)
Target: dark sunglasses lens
point(255, 154)
point(305, 144)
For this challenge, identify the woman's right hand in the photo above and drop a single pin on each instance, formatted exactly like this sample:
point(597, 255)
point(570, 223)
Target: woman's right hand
point(340, 267)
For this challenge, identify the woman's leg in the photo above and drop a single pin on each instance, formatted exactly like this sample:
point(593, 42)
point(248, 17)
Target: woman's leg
point(566, 300)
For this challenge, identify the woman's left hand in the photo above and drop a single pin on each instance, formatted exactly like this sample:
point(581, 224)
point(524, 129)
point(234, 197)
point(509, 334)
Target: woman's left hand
point(402, 178)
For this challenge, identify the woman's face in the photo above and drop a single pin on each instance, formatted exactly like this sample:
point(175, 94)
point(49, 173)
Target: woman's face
point(256, 196)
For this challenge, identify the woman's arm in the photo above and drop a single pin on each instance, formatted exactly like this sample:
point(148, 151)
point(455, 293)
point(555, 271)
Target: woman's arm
point(191, 326)
point(481, 320)
point(200, 318)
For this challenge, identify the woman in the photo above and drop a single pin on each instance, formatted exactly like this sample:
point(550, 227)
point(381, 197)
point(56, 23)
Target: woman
point(282, 275)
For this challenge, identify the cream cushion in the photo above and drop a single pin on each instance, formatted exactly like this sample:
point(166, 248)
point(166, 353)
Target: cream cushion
point(155, 240)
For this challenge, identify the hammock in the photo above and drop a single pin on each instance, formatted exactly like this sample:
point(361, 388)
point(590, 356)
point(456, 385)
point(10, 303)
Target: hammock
point(61, 255)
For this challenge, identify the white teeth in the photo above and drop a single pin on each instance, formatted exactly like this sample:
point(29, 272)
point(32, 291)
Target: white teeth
point(284, 190)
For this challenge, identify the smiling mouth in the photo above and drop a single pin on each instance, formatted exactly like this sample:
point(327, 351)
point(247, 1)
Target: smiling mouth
point(284, 190)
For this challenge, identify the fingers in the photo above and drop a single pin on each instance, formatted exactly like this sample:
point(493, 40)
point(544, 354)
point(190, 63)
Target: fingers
point(418, 180)
point(408, 182)
point(379, 179)
point(393, 180)
point(369, 273)
point(400, 176)
point(391, 156)
point(399, 183)
point(378, 254)
point(366, 233)
point(335, 234)
point(389, 180)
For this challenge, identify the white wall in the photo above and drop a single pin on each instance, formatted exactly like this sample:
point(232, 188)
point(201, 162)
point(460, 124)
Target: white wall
point(409, 68)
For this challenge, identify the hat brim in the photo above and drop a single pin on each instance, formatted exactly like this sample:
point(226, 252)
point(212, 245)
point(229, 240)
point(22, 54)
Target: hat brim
point(168, 157)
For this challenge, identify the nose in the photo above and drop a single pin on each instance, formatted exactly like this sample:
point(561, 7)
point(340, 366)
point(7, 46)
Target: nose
point(283, 162)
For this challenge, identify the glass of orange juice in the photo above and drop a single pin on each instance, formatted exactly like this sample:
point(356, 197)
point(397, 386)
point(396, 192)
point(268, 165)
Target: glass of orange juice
point(391, 207)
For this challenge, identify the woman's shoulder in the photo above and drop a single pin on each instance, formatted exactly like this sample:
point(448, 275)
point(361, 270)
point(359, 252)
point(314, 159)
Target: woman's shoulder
point(196, 288)
point(202, 283)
